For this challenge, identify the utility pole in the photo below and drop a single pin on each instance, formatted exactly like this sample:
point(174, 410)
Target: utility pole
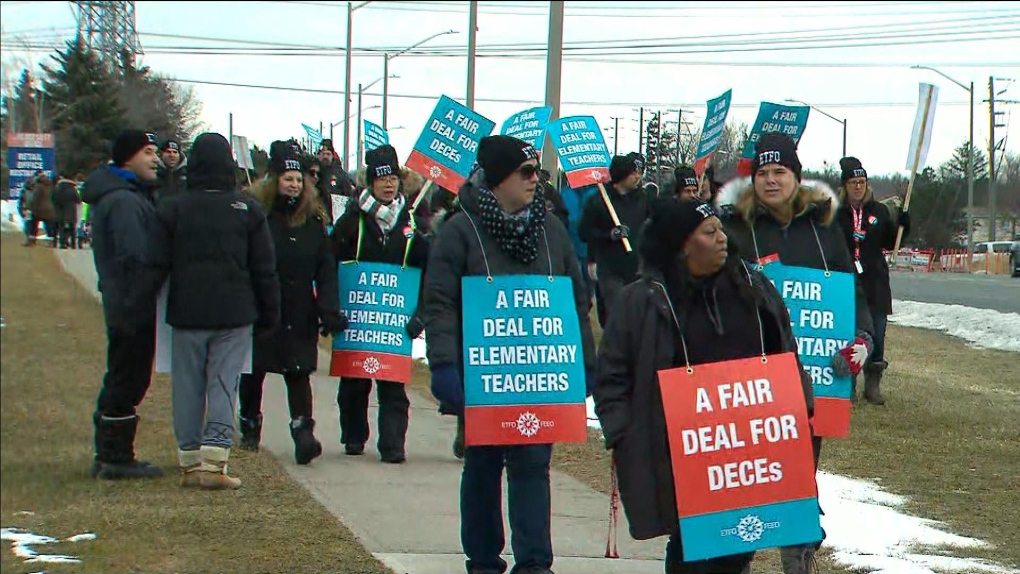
point(641, 131)
point(993, 146)
point(472, 50)
point(991, 159)
point(616, 136)
point(679, 128)
point(553, 78)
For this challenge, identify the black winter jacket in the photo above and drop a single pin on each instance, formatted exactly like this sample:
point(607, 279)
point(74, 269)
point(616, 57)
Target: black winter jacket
point(308, 296)
point(458, 252)
point(796, 244)
point(216, 248)
point(172, 181)
point(122, 212)
point(879, 233)
point(596, 224)
point(642, 339)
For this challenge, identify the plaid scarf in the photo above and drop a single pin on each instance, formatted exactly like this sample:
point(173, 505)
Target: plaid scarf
point(385, 215)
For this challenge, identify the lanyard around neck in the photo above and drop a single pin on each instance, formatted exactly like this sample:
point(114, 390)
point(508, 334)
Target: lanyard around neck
point(361, 236)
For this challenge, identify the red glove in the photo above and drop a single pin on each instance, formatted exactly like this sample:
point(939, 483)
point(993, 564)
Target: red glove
point(849, 361)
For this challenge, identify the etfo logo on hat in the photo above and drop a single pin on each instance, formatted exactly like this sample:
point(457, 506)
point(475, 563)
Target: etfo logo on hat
point(291, 165)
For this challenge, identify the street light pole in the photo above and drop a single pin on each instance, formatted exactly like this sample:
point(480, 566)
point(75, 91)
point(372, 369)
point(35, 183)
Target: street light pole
point(386, 69)
point(358, 143)
point(472, 50)
point(351, 8)
point(553, 80)
point(830, 116)
point(347, 81)
point(970, 163)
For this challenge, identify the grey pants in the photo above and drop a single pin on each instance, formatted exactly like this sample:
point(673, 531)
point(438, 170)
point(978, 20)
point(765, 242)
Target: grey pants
point(205, 370)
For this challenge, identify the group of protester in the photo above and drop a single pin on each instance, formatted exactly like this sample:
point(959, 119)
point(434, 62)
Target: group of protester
point(254, 272)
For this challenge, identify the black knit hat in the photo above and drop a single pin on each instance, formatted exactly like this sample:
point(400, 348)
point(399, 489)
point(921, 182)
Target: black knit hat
point(380, 162)
point(283, 157)
point(685, 176)
point(776, 148)
point(851, 167)
point(623, 165)
point(130, 142)
point(671, 223)
point(499, 156)
point(169, 143)
point(326, 144)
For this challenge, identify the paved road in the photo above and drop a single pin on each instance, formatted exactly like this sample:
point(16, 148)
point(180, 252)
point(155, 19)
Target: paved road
point(998, 292)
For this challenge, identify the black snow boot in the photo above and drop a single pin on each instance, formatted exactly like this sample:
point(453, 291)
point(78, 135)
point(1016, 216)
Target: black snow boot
point(251, 432)
point(306, 446)
point(115, 450)
point(873, 382)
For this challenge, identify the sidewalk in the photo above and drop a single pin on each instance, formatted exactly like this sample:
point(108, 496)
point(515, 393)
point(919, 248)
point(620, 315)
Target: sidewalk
point(408, 515)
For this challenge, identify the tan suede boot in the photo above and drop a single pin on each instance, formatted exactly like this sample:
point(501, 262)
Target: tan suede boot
point(190, 462)
point(213, 472)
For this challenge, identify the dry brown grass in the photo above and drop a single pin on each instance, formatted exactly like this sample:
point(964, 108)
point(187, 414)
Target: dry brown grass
point(53, 359)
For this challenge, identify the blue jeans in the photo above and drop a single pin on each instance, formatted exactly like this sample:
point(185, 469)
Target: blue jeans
point(732, 564)
point(528, 501)
point(880, 319)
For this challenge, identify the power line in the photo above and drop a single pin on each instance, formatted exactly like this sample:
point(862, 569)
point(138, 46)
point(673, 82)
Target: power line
point(539, 100)
point(782, 44)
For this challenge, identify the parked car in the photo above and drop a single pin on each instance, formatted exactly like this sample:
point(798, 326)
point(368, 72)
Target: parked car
point(1014, 258)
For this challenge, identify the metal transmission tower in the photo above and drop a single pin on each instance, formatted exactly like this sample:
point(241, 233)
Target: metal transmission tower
point(108, 28)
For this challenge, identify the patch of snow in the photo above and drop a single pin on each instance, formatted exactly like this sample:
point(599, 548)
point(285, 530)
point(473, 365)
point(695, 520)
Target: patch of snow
point(22, 543)
point(982, 328)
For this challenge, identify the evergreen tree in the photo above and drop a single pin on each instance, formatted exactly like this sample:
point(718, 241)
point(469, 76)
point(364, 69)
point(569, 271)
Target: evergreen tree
point(81, 104)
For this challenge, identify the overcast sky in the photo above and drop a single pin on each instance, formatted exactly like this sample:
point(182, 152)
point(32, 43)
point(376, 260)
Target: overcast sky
point(865, 78)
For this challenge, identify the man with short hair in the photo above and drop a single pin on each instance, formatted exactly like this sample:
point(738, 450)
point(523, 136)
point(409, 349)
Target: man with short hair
point(122, 211)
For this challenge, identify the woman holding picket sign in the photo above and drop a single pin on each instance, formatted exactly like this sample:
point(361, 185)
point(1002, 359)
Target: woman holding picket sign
point(501, 235)
point(379, 228)
point(784, 225)
point(697, 304)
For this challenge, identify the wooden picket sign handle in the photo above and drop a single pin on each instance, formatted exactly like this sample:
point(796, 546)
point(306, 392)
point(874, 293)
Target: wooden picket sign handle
point(913, 174)
point(612, 214)
point(425, 189)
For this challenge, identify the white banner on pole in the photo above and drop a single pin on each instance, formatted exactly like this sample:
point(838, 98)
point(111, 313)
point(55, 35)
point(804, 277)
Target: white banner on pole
point(920, 137)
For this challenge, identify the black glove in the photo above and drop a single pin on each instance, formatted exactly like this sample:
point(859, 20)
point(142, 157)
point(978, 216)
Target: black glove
point(415, 326)
point(334, 324)
point(904, 219)
point(619, 232)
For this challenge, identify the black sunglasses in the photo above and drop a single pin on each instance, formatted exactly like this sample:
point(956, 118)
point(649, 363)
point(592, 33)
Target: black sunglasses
point(313, 172)
point(528, 171)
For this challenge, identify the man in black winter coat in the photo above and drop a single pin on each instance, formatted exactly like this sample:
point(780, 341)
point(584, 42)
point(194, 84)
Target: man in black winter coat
point(122, 211)
point(333, 180)
point(214, 244)
point(614, 266)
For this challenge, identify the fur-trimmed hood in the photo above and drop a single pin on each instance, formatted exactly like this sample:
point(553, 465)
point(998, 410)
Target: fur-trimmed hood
point(813, 197)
